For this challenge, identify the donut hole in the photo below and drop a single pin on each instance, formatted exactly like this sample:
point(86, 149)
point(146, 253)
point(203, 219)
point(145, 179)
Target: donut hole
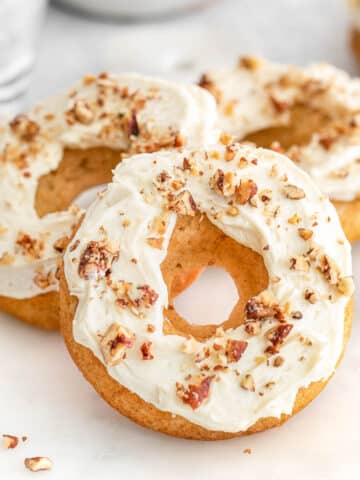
point(304, 122)
point(213, 283)
point(78, 171)
point(195, 245)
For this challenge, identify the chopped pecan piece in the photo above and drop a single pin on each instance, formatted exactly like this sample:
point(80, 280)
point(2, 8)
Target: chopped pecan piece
point(276, 336)
point(245, 191)
point(29, 246)
point(146, 351)
point(248, 383)
point(230, 151)
point(115, 342)
point(194, 394)
point(293, 192)
point(261, 307)
point(25, 128)
point(329, 269)
point(133, 125)
point(36, 464)
point(7, 258)
point(234, 350)
point(280, 106)
point(310, 296)
point(183, 204)
point(143, 296)
point(96, 260)
point(305, 233)
point(83, 112)
point(278, 361)
point(299, 263)
point(253, 327)
point(60, 244)
point(10, 441)
point(209, 85)
point(223, 183)
point(44, 279)
point(250, 63)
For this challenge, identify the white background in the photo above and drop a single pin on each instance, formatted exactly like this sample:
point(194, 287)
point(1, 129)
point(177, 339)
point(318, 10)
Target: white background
point(43, 395)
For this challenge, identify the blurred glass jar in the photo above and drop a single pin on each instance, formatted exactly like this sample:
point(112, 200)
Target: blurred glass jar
point(134, 8)
point(20, 21)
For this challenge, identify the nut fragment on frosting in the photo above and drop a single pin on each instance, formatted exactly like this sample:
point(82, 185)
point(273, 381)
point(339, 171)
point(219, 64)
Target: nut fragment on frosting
point(115, 342)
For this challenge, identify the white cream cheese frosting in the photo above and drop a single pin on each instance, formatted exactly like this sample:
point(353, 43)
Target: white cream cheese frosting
point(257, 94)
point(114, 271)
point(128, 112)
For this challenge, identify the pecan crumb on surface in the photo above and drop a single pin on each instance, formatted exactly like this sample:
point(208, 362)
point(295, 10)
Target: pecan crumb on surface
point(276, 336)
point(116, 340)
point(305, 233)
point(195, 394)
point(10, 441)
point(234, 349)
point(248, 383)
point(223, 183)
point(146, 351)
point(36, 464)
point(345, 286)
point(96, 260)
point(183, 204)
point(25, 128)
point(293, 192)
point(245, 191)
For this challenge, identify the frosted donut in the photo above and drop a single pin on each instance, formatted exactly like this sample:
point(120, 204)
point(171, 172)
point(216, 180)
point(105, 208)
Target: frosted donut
point(66, 145)
point(310, 113)
point(250, 211)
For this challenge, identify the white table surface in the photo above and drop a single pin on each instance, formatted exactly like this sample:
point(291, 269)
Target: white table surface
point(42, 394)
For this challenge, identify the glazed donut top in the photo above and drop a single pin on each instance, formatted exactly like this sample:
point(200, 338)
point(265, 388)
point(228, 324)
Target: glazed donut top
point(292, 333)
point(257, 94)
point(128, 112)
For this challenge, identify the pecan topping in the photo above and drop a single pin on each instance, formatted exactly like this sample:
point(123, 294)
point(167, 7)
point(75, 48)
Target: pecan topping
point(280, 106)
point(305, 233)
point(146, 351)
point(194, 394)
point(261, 307)
point(143, 297)
point(10, 441)
point(245, 191)
point(276, 336)
point(235, 349)
point(7, 258)
point(96, 260)
point(209, 85)
point(183, 204)
point(44, 279)
point(278, 361)
point(223, 183)
point(250, 63)
point(35, 464)
point(115, 342)
point(329, 269)
point(293, 192)
point(133, 125)
point(310, 296)
point(25, 128)
point(253, 327)
point(61, 244)
point(247, 383)
point(29, 246)
point(82, 112)
point(299, 263)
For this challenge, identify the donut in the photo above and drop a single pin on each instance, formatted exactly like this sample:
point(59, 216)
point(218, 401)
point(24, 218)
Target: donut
point(66, 145)
point(354, 10)
point(311, 114)
point(248, 210)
